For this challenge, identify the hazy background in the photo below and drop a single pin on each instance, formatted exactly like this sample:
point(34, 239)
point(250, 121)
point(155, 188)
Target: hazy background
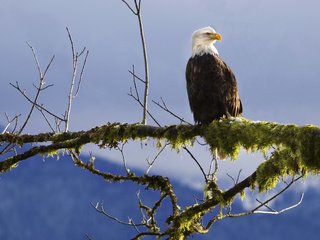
point(272, 47)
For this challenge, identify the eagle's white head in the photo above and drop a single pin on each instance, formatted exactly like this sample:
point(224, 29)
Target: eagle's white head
point(203, 40)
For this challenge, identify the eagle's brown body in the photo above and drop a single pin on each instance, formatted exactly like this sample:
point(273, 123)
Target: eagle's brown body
point(212, 89)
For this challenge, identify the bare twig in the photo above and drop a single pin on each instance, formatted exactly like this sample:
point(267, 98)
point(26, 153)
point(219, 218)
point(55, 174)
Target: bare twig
point(124, 161)
point(235, 181)
point(145, 58)
point(39, 88)
point(135, 76)
point(81, 73)
point(48, 66)
point(165, 108)
point(39, 107)
point(154, 159)
point(276, 212)
point(130, 220)
point(276, 195)
point(144, 209)
point(238, 176)
point(150, 222)
point(57, 124)
point(262, 204)
point(10, 121)
point(197, 162)
point(141, 104)
point(72, 93)
point(265, 205)
point(159, 183)
point(74, 72)
point(137, 12)
point(142, 212)
point(213, 172)
point(99, 208)
point(33, 102)
point(135, 84)
point(46, 119)
point(36, 60)
point(128, 5)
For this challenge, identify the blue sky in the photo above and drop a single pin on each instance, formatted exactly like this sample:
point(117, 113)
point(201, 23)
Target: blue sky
point(272, 47)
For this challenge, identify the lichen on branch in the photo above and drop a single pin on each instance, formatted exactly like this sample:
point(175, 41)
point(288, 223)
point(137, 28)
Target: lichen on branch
point(295, 149)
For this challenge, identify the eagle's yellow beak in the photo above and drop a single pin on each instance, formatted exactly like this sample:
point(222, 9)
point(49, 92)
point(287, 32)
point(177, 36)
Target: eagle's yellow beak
point(216, 36)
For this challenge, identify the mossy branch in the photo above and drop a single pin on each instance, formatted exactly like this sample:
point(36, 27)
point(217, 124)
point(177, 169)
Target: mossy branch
point(293, 150)
point(296, 148)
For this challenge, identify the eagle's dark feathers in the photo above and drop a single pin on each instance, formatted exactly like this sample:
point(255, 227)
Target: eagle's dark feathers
point(212, 87)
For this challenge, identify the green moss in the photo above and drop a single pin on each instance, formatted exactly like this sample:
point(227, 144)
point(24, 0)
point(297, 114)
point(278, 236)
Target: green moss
point(296, 149)
point(53, 154)
point(242, 195)
point(178, 136)
point(188, 222)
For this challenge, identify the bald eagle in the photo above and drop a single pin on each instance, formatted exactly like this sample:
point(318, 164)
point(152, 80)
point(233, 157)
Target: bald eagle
point(211, 85)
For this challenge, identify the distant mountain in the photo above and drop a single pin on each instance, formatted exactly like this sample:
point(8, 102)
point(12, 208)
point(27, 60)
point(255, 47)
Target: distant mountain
point(50, 199)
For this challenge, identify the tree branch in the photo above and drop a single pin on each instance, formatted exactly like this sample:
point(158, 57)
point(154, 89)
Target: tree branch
point(165, 108)
point(303, 157)
point(40, 107)
point(72, 93)
point(137, 12)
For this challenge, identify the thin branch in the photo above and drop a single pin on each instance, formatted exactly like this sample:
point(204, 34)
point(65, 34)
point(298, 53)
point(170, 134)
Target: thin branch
point(165, 108)
point(74, 72)
point(155, 182)
point(41, 83)
point(262, 204)
point(83, 50)
point(235, 181)
point(135, 84)
point(276, 195)
point(154, 160)
point(34, 102)
point(135, 76)
point(48, 66)
point(36, 60)
point(46, 119)
point(100, 209)
point(144, 219)
point(81, 73)
point(134, 225)
point(43, 88)
point(39, 107)
point(71, 42)
point(275, 212)
point(155, 208)
point(10, 121)
point(72, 93)
point(144, 208)
point(131, 9)
point(265, 205)
point(197, 162)
point(238, 176)
point(213, 172)
point(141, 104)
point(124, 161)
point(137, 12)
